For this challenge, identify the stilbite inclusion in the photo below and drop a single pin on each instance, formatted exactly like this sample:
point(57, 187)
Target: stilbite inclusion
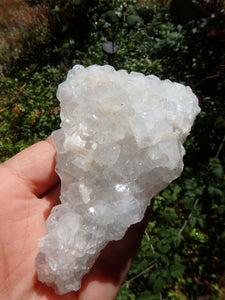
point(119, 145)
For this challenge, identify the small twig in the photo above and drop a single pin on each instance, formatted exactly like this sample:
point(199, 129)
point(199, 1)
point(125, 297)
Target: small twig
point(210, 75)
point(148, 237)
point(204, 79)
point(182, 228)
point(19, 91)
point(220, 148)
point(142, 272)
point(189, 216)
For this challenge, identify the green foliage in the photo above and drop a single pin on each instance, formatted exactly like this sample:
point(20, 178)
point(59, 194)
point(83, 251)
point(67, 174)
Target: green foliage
point(25, 35)
point(182, 253)
point(178, 251)
point(29, 109)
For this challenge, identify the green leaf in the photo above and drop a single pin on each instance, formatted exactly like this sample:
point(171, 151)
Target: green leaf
point(216, 167)
point(219, 122)
point(165, 259)
point(133, 20)
point(198, 236)
point(164, 246)
point(158, 285)
point(187, 202)
point(213, 191)
point(144, 296)
point(221, 209)
point(176, 258)
point(189, 184)
point(176, 270)
point(165, 232)
point(112, 16)
point(170, 214)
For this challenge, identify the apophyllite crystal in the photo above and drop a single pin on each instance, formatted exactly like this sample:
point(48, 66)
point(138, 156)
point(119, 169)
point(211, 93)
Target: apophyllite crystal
point(119, 145)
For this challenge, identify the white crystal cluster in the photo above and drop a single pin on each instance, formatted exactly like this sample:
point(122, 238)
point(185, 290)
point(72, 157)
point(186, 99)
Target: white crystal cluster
point(119, 145)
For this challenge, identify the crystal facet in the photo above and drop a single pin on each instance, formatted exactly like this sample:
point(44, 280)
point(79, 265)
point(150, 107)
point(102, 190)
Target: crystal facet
point(119, 145)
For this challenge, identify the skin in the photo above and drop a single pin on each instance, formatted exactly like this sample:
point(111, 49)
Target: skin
point(29, 189)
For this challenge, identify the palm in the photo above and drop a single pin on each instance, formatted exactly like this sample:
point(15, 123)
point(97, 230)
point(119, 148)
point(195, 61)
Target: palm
point(29, 189)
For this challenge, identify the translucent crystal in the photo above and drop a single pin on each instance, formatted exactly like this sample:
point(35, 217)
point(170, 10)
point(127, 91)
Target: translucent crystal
point(119, 145)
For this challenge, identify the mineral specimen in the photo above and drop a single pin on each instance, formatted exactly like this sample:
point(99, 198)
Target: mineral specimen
point(119, 145)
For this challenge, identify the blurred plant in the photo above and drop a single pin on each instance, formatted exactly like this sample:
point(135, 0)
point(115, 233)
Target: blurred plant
point(182, 253)
point(29, 109)
point(24, 35)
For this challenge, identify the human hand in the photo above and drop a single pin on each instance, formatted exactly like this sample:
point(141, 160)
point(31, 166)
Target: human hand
point(29, 188)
